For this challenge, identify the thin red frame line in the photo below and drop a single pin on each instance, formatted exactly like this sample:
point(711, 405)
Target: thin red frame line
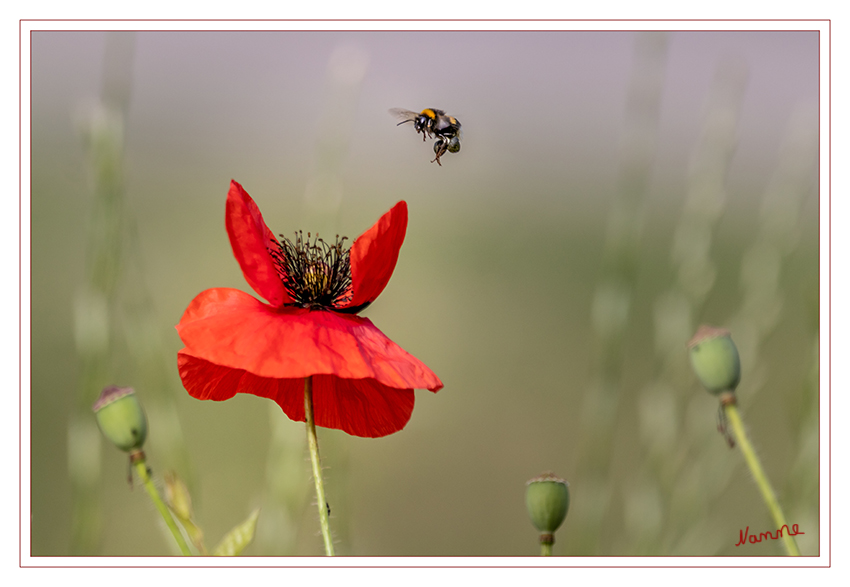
point(829, 206)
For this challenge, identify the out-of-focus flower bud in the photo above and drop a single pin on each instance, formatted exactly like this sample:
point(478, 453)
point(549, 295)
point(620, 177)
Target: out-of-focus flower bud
point(715, 360)
point(547, 498)
point(121, 418)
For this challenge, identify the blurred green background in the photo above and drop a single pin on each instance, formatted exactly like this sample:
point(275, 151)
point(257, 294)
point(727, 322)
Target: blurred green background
point(614, 190)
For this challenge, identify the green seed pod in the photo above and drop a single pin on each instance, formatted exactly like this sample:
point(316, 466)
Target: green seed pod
point(547, 499)
point(715, 360)
point(121, 418)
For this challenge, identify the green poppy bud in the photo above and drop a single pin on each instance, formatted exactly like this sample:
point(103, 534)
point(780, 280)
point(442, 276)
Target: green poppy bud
point(715, 360)
point(121, 418)
point(547, 499)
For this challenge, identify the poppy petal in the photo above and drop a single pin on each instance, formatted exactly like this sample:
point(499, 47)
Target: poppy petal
point(360, 407)
point(374, 255)
point(251, 240)
point(233, 329)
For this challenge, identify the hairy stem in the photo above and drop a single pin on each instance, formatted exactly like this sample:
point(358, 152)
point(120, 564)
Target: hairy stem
point(313, 443)
point(138, 461)
point(760, 478)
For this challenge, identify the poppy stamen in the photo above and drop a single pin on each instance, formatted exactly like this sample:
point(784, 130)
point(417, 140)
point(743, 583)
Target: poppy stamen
point(316, 275)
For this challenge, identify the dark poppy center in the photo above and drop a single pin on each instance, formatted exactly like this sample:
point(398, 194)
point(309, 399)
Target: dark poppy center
point(315, 274)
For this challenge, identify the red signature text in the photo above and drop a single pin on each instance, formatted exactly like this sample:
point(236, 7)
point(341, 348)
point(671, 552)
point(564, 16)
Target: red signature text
point(753, 539)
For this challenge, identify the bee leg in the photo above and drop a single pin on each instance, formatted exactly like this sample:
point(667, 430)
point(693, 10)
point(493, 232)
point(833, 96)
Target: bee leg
point(440, 148)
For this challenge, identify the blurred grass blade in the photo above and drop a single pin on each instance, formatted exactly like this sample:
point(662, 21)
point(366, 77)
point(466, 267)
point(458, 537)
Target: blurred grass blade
point(238, 538)
point(180, 502)
point(196, 535)
point(613, 306)
point(95, 304)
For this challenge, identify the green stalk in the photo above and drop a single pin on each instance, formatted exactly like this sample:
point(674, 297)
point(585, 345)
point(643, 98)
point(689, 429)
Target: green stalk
point(760, 478)
point(313, 442)
point(138, 461)
point(545, 548)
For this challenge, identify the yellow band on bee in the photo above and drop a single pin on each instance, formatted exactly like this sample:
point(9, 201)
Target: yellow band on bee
point(429, 113)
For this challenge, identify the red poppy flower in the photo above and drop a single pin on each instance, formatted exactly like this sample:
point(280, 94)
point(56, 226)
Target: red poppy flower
point(362, 381)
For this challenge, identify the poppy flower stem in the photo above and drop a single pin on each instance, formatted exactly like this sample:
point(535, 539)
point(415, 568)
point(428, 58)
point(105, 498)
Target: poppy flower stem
point(137, 460)
point(313, 443)
point(761, 480)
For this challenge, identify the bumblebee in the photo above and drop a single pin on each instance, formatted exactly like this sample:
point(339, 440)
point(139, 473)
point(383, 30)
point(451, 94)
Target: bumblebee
point(432, 122)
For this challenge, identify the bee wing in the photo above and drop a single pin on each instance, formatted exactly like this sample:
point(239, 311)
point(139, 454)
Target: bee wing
point(403, 115)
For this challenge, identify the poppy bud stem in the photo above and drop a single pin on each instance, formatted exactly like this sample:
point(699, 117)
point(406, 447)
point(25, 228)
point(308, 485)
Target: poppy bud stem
point(313, 443)
point(137, 460)
point(728, 403)
point(546, 542)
